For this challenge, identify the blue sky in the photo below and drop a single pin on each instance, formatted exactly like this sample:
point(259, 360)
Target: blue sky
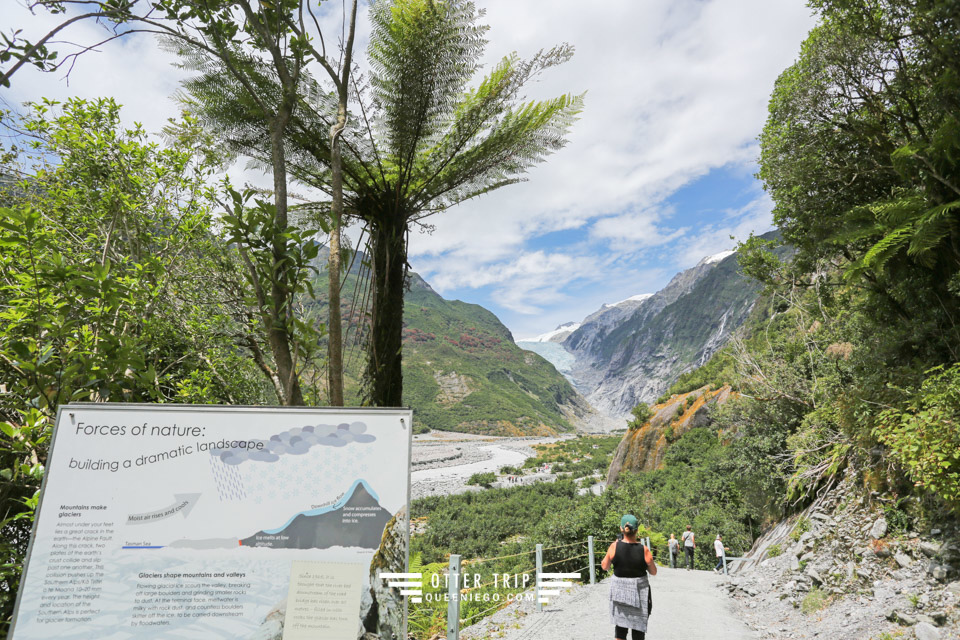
point(657, 173)
point(728, 198)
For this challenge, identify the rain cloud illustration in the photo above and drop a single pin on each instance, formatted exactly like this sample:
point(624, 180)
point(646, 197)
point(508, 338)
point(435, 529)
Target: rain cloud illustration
point(298, 441)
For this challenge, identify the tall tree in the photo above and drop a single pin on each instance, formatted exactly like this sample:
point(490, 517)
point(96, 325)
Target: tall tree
point(421, 142)
point(266, 73)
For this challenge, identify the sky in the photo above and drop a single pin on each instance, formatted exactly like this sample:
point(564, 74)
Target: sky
point(658, 172)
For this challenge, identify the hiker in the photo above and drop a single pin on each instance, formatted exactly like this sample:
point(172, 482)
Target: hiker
point(689, 544)
point(674, 548)
point(719, 549)
point(630, 597)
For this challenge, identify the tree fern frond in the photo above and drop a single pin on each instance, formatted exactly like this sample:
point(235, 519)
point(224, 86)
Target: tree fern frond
point(932, 229)
point(880, 253)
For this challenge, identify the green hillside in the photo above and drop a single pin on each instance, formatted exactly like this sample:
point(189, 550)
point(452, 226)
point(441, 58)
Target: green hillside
point(462, 370)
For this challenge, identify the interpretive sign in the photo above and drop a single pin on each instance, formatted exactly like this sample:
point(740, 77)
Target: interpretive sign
point(219, 522)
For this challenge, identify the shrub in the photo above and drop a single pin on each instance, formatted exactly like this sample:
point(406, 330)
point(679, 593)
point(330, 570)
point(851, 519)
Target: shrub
point(803, 525)
point(483, 479)
point(925, 436)
point(898, 520)
point(641, 415)
point(774, 550)
point(814, 600)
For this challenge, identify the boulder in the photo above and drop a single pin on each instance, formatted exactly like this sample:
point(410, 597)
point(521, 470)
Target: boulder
point(903, 559)
point(906, 619)
point(929, 549)
point(814, 575)
point(879, 528)
point(939, 571)
point(926, 631)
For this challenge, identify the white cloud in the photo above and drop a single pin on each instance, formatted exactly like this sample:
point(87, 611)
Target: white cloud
point(675, 89)
point(523, 284)
point(634, 230)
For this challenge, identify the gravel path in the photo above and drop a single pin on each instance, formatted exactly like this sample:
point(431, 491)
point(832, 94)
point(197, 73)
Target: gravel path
point(686, 606)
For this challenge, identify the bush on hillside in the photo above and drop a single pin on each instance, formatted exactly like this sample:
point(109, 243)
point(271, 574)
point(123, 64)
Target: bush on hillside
point(925, 436)
point(483, 479)
point(641, 415)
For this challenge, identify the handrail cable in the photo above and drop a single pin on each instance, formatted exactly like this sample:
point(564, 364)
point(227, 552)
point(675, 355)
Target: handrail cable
point(583, 555)
point(487, 584)
point(561, 546)
point(492, 558)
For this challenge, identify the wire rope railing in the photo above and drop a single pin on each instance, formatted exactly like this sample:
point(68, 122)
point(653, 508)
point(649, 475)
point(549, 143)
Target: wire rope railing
point(469, 604)
point(471, 597)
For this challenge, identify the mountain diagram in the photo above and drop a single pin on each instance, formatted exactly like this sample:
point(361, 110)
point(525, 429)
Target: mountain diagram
point(356, 520)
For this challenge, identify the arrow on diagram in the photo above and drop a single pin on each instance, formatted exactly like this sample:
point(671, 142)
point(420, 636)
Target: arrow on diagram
point(184, 503)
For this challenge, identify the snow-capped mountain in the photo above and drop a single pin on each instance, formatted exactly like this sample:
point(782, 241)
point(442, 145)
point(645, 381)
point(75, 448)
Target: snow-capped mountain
point(557, 335)
point(631, 351)
point(717, 257)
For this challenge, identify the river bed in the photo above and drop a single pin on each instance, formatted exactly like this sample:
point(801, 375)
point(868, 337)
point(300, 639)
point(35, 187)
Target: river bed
point(478, 456)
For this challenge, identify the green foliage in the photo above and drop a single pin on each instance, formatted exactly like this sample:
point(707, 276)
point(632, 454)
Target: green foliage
point(592, 454)
point(774, 550)
point(641, 415)
point(861, 155)
point(802, 526)
point(483, 479)
point(898, 517)
point(695, 487)
point(815, 600)
point(481, 524)
point(426, 619)
point(925, 434)
point(111, 287)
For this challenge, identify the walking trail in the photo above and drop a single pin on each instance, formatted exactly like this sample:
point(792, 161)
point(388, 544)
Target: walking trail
point(687, 605)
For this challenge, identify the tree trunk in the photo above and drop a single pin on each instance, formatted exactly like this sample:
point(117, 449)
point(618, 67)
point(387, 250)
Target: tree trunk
point(334, 331)
point(335, 341)
point(281, 294)
point(389, 258)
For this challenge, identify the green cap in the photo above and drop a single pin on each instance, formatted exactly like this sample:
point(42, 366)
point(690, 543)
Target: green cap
point(630, 521)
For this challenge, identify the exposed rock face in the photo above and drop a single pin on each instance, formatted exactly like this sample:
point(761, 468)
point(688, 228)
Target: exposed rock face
point(626, 356)
point(453, 387)
point(869, 586)
point(643, 449)
point(381, 609)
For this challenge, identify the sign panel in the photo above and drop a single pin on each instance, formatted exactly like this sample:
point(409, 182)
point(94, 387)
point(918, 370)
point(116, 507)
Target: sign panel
point(219, 522)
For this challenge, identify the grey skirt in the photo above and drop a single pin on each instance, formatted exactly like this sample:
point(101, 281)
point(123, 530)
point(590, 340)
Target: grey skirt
point(630, 602)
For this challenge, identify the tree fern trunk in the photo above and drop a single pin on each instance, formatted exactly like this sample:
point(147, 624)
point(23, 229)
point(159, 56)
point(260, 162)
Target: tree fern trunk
point(389, 260)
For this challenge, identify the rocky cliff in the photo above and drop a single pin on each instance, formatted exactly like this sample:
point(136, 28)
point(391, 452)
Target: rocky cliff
point(623, 358)
point(643, 448)
point(860, 564)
